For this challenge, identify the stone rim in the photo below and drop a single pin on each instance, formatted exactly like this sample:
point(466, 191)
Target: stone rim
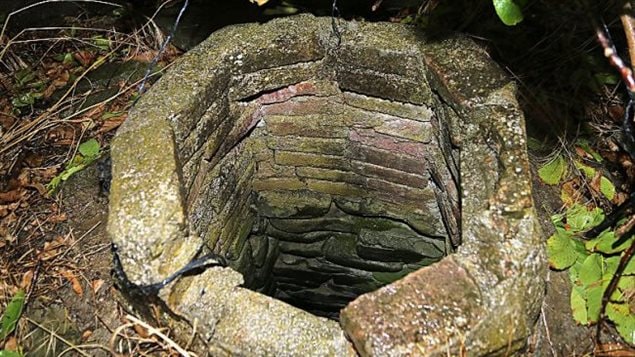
point(502, 270)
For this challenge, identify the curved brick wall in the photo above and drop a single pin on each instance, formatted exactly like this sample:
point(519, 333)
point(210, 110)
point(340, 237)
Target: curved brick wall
point(322, 194)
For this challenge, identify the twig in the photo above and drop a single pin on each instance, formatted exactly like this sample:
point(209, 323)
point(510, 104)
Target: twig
point(164, 45)
point(154, 331)
point(116, 333)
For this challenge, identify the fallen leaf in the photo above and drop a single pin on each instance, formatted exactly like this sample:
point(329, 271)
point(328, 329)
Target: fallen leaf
point(86, 335)
point(11, 344)
point(6, 120)
point(24, 178)
point(52, 248)
point(75, 284)
point(40, 188)
point(46, 174)
point(63, 135)
point(582, 153)
point(96, 285)
point(112, 123)
point(57, 218)
point(49, 90)
point(84, 57)
point(144, 57)
point(27, 278)
point(12, 196)
point(595, 181)
point(141, 331)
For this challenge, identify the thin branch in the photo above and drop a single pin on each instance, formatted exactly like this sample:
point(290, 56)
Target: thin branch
point(628, 23)
point(154, 331)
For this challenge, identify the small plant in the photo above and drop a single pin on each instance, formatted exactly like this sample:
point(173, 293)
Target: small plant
point(9, 321)
point(88, 152)
point(591, 264)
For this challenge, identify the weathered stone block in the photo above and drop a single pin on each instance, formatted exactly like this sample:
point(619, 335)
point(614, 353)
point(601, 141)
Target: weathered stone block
point(331, 175)
point(386, 158)
point(267, 169)
point(318, 126)
point(279, 184)
point(310, 145)
point(292, 203)
point(380, 172)
point(301, 106)
point(251, 84)
point(291, 158)
point(382, 85)
point(310, 250)
point(343, 251)
point(378, 105)
point(336, 188)
point(372, 138)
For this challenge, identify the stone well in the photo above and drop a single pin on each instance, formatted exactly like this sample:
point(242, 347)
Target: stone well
point(383, 174)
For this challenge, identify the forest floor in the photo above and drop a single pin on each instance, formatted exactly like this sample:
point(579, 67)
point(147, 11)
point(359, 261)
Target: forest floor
point(65, 90)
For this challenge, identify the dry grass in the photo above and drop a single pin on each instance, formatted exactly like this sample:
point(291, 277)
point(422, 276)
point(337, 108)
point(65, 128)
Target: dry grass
point(39, 252)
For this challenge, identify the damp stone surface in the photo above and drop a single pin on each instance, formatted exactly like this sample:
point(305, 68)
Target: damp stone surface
point(371, 194)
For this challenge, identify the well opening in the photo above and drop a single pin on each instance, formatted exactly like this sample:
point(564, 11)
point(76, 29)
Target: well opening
point(328, 195)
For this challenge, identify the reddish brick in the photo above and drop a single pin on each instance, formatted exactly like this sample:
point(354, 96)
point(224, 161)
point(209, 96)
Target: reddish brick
point(396, 176)
point(386, 158)
point(371, 138)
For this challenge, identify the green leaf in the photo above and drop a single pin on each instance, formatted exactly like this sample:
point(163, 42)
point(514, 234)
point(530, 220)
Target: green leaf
point(591, 270)
point(54, 184)
point(5, 353)
point(580, 218)
point(607, 188)
point(578, 305)
point(66, 174)
point(23, 100)
point(604, 243)
point(24, 76)
point(586, 146)
point(508, 12)
point(102, 43)
point(68, 59)
point(108, 115)
point(553, 171)
point(558, 219)
point(89, 148)
point(624, 320)
point(588, 171)
point(610, 267)
point(561, 250)
point(594, 301)
point(88, 152)
point(12, 314)
point(606, 78)
point(630, 266)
